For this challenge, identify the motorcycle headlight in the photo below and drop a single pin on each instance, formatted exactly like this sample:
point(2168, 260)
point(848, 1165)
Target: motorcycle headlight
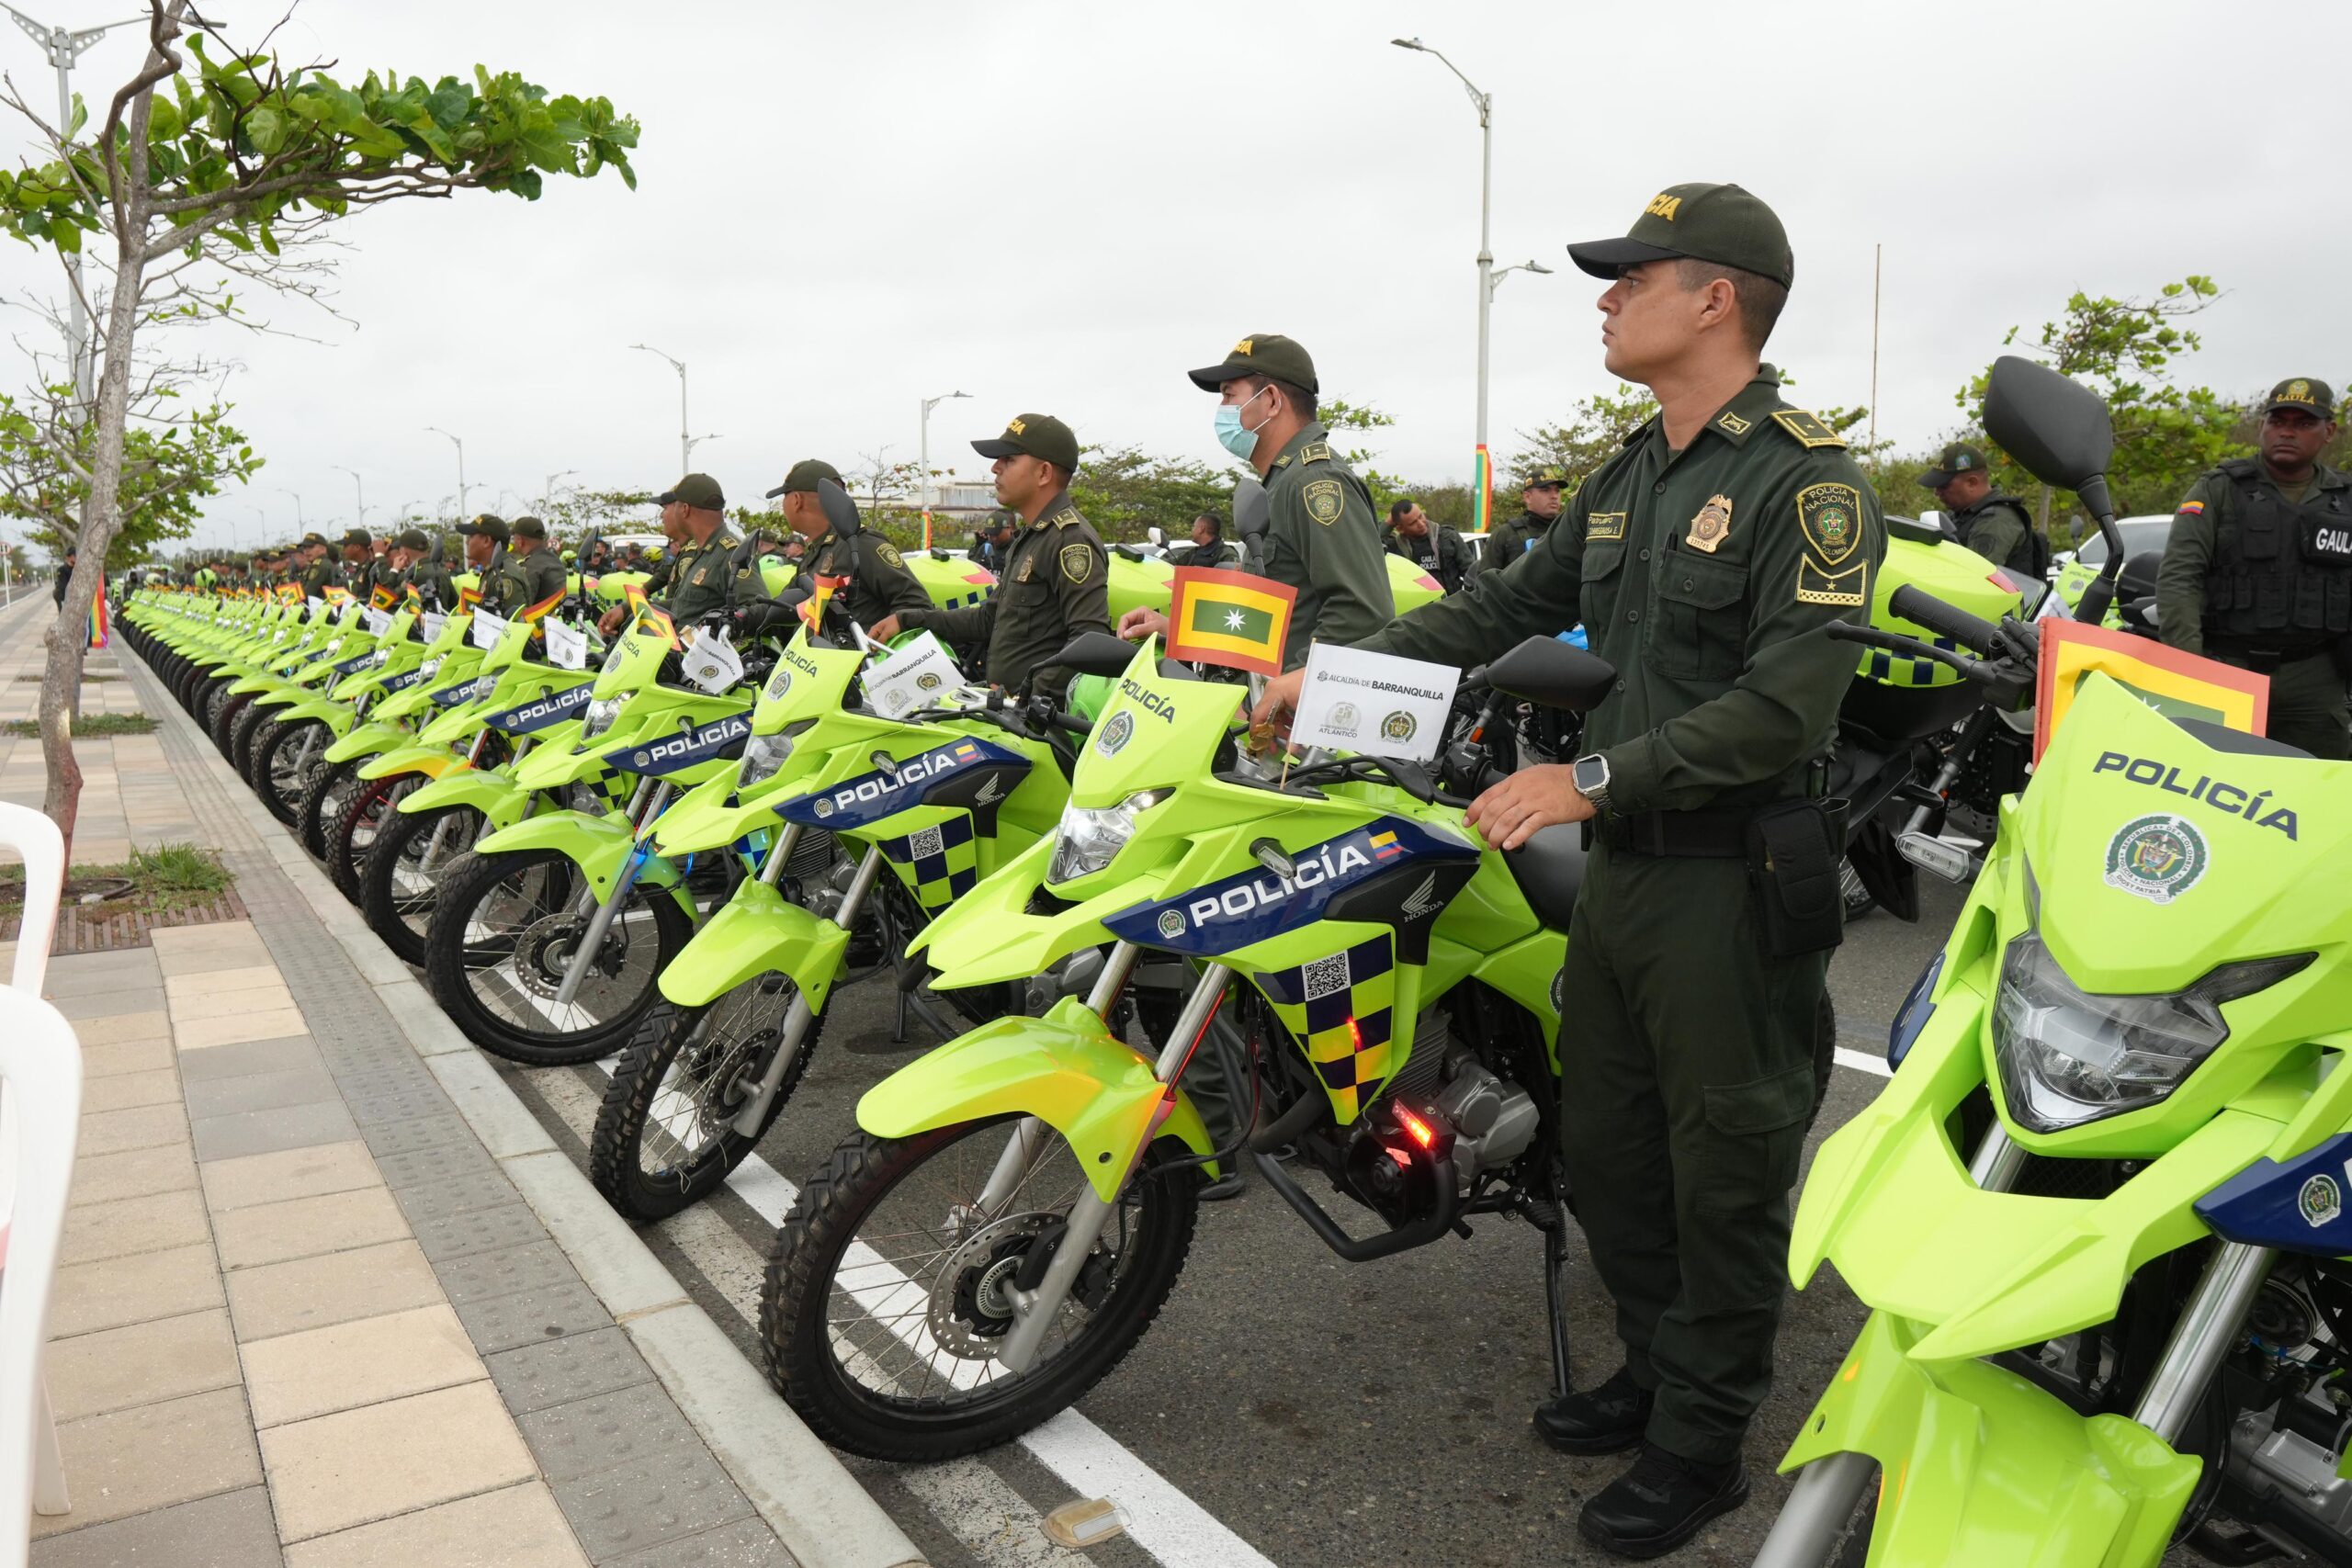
point(2068, 1056)
point(384, 657)
point(1089, 837)
point(600, 713)
point(764, 754)
point(429, 669)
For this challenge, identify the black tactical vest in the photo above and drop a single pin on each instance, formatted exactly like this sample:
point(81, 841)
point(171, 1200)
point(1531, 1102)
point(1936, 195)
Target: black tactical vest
point(2285, 580)
point(2027, 557)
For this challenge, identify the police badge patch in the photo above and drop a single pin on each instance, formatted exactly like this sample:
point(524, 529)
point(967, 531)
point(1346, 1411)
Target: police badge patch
point(1712, 523)
point(1831, 516)
point(1324, 501)
point(889, 553)
point(1077, 562)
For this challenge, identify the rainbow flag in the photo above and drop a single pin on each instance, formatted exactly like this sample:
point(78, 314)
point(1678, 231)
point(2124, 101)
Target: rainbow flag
point(1233, 618)
point(100, 622)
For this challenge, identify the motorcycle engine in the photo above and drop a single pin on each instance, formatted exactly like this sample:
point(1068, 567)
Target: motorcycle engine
point(1444, 1106)
point(2283, 1454)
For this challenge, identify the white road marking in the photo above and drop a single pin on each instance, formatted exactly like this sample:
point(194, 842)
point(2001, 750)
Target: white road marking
point(987, 1515)
point(1863, 1062)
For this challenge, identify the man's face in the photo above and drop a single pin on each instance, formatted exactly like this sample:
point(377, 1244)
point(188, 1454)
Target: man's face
point(1540, 501)
point(1963, 491)
point(1648, 321)
point(354, 554)
point(1203, 534)
point(2292, 439)
point(1019, 479)
point(1414, 524)
point(804, 513)
point(478, 548)
point(401, 559)
point(674, 522)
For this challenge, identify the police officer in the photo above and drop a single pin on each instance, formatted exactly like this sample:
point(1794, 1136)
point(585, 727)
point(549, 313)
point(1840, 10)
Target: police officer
point(1210, 548)
point(1994, 526)
point(1539, 499)
point(1708, 557)
point(412, 556)
point(533, 571)
point(318, 572)
point(1436, 549)
point(865, 578)
point(486, 538)
point(992, 541)
point(2258, 569)
point(697, 581)
point(356, 571)
point(1056, 579)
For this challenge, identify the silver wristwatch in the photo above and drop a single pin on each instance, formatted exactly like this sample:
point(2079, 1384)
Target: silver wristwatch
point(1591, 775)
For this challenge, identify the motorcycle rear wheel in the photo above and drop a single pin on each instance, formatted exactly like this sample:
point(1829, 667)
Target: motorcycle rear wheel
point(397, 892)
point(352, 835)
point(857, 1295)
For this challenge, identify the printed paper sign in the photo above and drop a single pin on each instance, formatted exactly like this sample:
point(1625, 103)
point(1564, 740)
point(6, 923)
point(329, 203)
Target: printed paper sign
point(432, 621)
point(567, 649)
point(315, 604)
point(711, 662)
point(487, 629)
point(1354, 701)
point(919, 675)
point(378, 621)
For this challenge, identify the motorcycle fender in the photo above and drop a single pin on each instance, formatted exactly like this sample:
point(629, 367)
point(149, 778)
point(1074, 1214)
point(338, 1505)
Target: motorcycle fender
point(1065, 1069)
point(433, 761)
point(760, 930)
point(335, 716)
point(405, 703)
point(599, 846)
point(255, 682)
point(1979, 1465)
point(495, 795)
point(365, 741)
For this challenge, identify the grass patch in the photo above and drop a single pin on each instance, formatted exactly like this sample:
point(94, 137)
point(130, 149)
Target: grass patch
point(96, 727)
point(156, 881)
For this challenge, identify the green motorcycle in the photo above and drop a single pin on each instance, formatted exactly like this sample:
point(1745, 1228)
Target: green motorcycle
point(1017, 1203)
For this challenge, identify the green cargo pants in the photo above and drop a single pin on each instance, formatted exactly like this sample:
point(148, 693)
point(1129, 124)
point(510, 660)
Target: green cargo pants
point(2308, 708)
point(1687, 1084)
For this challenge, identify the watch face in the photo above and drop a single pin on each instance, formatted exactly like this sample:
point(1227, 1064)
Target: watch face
point(1590, 773)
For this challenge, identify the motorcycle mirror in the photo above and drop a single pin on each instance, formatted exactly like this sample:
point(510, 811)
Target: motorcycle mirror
point(841, 512)
point(1547, 671)
point(1096, 653)
point(2059, 429)
point(1252, 510)
point(1157, 535)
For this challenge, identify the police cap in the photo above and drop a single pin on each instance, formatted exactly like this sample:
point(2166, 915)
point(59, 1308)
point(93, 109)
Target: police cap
point(1270, 355)
point(804, 475)
point(1039, 436)
point(1719, 223)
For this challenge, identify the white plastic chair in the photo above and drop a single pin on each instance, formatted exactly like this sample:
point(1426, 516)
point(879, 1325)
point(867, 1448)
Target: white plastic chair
point(37, 841)
point(40, 1068)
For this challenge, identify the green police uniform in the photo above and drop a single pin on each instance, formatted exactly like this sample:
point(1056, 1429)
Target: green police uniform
point(1219, 556)
point(879, 581)
point(1056, 583)
point(319, 575)
point(2258, 573)
point(701, 577)
point(1709, 576)
point(532, 576)
point(1997, 527)
point(1506, 542)
point(1439, 552)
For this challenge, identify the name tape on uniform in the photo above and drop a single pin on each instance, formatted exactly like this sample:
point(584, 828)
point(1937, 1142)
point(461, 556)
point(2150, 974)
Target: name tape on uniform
point(1354, 701)
point(916, 676)
point(567, 649)
point(711, 662)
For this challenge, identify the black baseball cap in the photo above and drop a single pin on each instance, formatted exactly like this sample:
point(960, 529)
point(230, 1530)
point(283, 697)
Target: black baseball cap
point(358, 536)
point(530, 528)
point(698, 491)
point(309, 539)
point(414, 539)
point(804, 475)
point(1551, 477)
point(1954, 460)
point(2302, 392)
point(1719, 223)
point(484, 523)
point(1039, 436)
point(1270, 355)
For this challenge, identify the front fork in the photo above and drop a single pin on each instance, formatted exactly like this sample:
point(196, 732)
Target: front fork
point(1035, 1311)
point(442, 830)
point(592, 941)
point(801, 1016)
point(1827, 1491)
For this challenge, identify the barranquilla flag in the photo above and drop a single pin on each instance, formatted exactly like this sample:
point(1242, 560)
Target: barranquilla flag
point(646, 617)
point(467, 598)
point(382, 598)
point(1232, 618)
point(2178, 685)
point(336, 596)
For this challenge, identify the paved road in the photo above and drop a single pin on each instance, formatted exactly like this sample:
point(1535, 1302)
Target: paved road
point(1288, 1407)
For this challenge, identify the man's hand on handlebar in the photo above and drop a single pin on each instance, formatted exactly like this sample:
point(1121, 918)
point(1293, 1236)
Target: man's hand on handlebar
point(610, 621)
point(883, 629)
point(1140, 623)
point(1279, 703)
point(1508, 815)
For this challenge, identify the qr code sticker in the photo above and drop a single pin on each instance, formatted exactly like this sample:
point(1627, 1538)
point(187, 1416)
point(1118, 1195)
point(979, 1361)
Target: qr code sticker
point(1326, 976)
point(926, 842)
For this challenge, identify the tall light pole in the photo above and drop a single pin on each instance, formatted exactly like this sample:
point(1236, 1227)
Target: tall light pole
point(298, 524)
point(436, 430)
point(685, 441)
point(546, 490)
point(1485, 103)
point(358, 490)
point(1495, 281)
point(65, 46)
point(929, 404)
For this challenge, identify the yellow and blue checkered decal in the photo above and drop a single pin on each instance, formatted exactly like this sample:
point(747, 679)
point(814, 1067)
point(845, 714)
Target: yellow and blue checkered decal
point(681, 751)
point(1340, 1008)
point(1896, 671)
point(938, 863)
point(971, 773)
point(529, 719)
point(1253, 905)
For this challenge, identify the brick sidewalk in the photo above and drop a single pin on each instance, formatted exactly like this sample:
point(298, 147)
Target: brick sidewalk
point(305, 1317)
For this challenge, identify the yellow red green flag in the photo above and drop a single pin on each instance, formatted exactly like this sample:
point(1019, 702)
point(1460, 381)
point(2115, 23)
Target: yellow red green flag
point(1232, 618)
point(2175, 683)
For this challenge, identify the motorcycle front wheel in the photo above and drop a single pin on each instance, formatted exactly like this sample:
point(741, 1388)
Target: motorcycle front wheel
point(884, 1297)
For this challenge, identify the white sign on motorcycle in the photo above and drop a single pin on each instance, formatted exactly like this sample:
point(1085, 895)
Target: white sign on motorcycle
point(1354, 701)
point(316, 604)
point(567, 649)
point(712, 663)
point(378, 621)
point(487, 629)
point(917, 676)
point(432, 621)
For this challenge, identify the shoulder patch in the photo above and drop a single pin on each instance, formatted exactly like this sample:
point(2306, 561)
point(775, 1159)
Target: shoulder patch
point(1831, 516)
point(1849, 589)
point(1315, 452)
point(1808, 430)
point(1325, 501)
point(1077, 562)
point(2192, 508)
point(889, 553)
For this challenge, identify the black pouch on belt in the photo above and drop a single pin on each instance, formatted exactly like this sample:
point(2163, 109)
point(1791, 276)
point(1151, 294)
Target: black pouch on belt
point(1792, 852)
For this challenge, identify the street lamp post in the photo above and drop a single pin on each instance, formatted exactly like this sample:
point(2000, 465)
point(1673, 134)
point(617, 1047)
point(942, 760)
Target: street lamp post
point(298, 524)
point(1485, 103)
point(436, 430)
point(65, 46)
point(685, 441)
point(358, 490)
point(929, 404)
point(546, 490)
point(1500, 273)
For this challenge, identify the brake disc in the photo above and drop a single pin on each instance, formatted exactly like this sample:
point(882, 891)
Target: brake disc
point(969, 1311)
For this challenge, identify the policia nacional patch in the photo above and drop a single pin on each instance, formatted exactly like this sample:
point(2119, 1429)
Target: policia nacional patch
point(1323, 501)
point(1078, 560)
point(1831, 516)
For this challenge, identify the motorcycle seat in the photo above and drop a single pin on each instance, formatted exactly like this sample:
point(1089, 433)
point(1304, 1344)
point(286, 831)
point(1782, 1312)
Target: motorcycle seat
point(1549, 868)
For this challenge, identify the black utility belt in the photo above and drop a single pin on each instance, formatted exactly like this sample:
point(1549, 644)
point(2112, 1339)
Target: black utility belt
point(1718, 833)
point(2264, 660)
point(1793, 849)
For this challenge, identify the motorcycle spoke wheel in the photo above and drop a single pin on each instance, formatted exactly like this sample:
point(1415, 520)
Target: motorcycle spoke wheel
point(401, 882)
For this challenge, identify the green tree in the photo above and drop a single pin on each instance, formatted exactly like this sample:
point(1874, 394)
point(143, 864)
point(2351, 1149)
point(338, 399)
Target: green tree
point(1124, 491)
point(171, 463)
point(200, 173)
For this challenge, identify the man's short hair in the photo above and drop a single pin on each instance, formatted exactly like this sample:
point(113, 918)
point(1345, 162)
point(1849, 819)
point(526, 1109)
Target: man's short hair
point(1761, 299)
point(1216, 522)
point(1298, 398)
point(1399, 508)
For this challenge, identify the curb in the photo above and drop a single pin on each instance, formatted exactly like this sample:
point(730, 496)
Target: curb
point(820, 1513)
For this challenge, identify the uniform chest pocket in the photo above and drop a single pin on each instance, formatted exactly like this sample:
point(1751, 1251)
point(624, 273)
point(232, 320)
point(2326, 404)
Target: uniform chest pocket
point(1602, 577)
point(1698, 621)
point(1032, 591)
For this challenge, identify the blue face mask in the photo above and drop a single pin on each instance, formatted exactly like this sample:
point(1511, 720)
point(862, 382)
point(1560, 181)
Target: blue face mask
point(1230, 433)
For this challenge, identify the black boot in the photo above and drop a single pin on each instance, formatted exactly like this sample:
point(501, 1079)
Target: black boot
point(1660, 1502)
point(1600, 1421)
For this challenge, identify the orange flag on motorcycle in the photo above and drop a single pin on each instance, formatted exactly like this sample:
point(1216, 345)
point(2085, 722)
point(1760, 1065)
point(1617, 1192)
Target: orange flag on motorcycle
point(812, 609)
point(467, 598)
point(1233, 618)
point(647, 616)
point(382, 597)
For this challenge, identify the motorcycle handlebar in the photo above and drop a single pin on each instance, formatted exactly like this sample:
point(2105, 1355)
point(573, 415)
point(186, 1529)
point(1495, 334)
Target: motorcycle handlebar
point(1926, 609)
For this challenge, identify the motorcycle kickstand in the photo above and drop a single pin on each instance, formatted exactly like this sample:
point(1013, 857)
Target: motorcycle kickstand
point(1556, 1306)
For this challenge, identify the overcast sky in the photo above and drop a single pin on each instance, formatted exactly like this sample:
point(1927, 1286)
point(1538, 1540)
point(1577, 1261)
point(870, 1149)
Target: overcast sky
point(1061, 207)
